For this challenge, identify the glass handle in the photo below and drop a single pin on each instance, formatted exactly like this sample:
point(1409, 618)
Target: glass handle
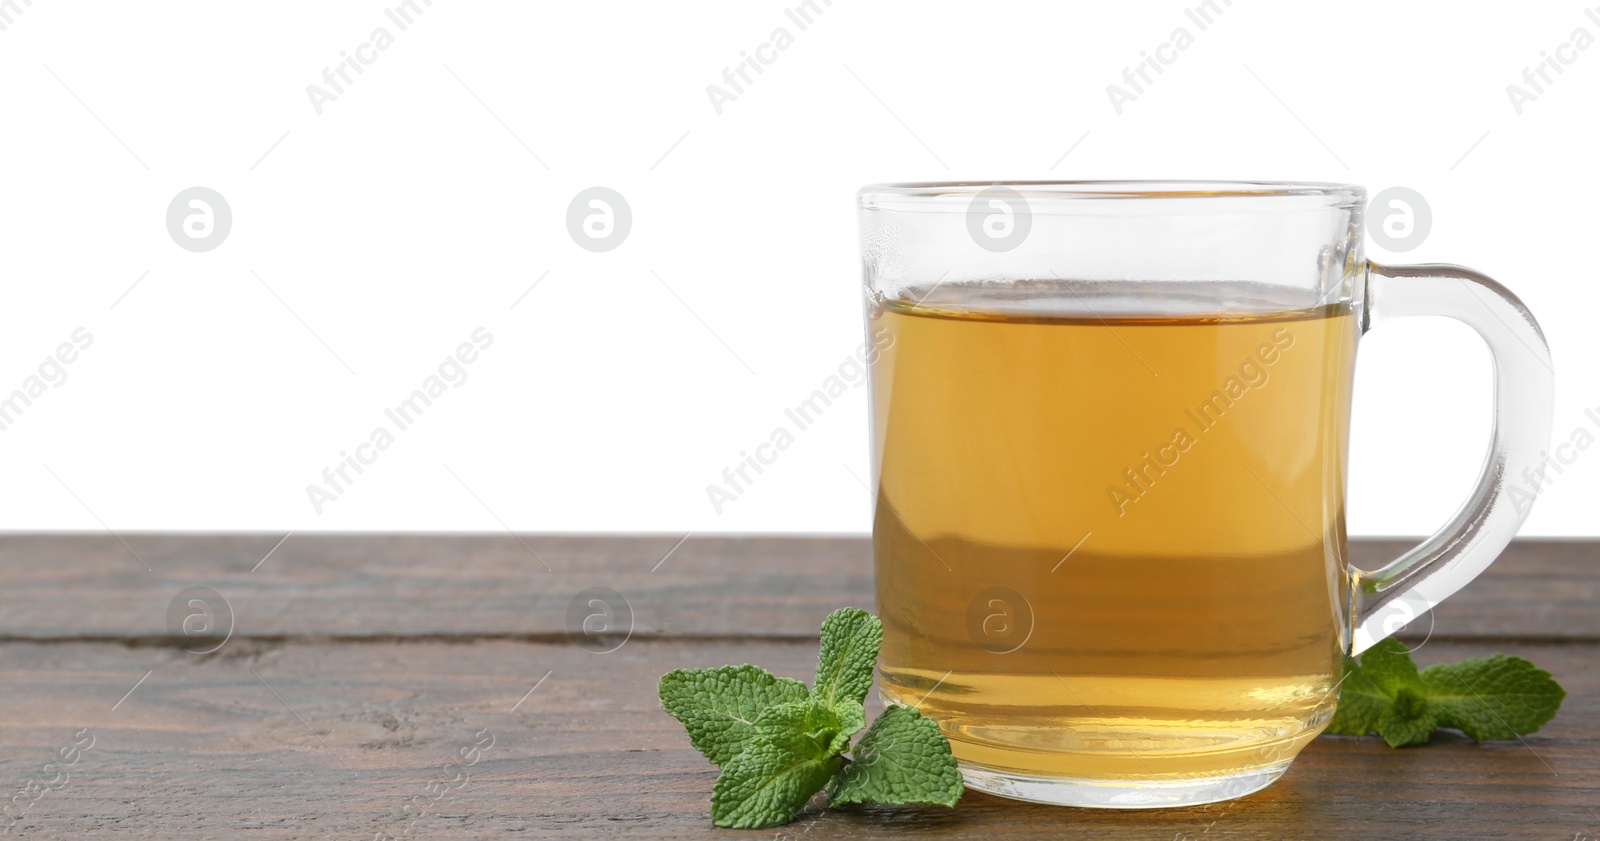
point(1384, 600)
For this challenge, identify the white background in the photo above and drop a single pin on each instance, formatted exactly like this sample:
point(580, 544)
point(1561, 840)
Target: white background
point(431, 195)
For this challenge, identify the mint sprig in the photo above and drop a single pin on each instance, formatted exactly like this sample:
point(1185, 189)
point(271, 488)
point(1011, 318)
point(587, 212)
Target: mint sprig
point(1488, 699)
point(779, 743)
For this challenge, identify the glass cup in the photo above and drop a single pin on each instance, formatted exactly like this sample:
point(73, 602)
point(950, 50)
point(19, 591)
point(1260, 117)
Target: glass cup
point(1110, 424)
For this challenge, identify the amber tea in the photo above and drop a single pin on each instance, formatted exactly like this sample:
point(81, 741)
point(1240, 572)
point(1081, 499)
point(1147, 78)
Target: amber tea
point(1110, 545)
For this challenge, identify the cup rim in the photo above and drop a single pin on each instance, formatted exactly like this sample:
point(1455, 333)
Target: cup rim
point(955, 196)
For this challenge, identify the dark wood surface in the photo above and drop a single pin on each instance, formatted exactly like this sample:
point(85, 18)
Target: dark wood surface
point(361, 666)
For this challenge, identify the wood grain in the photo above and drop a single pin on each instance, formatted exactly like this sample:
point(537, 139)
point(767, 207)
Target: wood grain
point(356, 586)
point(332, 740)
point(361, 666)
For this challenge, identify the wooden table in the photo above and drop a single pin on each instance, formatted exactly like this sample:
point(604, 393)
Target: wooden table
point(367, 673)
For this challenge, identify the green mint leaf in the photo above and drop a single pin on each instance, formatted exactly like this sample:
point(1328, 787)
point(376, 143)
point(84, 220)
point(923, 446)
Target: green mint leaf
point(1501, 697)
point(850, 640)
point(1408, 721)
point(806, 729)
point(766, 785)
point(719, 707)
point(1495, 698)
point(903, 758)
point(1388, 665)
point(1361, 703)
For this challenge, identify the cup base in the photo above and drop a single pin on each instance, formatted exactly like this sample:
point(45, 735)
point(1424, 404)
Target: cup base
point(1107, 794)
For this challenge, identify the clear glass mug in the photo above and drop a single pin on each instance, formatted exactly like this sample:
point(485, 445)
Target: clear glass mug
point(1109, 425)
